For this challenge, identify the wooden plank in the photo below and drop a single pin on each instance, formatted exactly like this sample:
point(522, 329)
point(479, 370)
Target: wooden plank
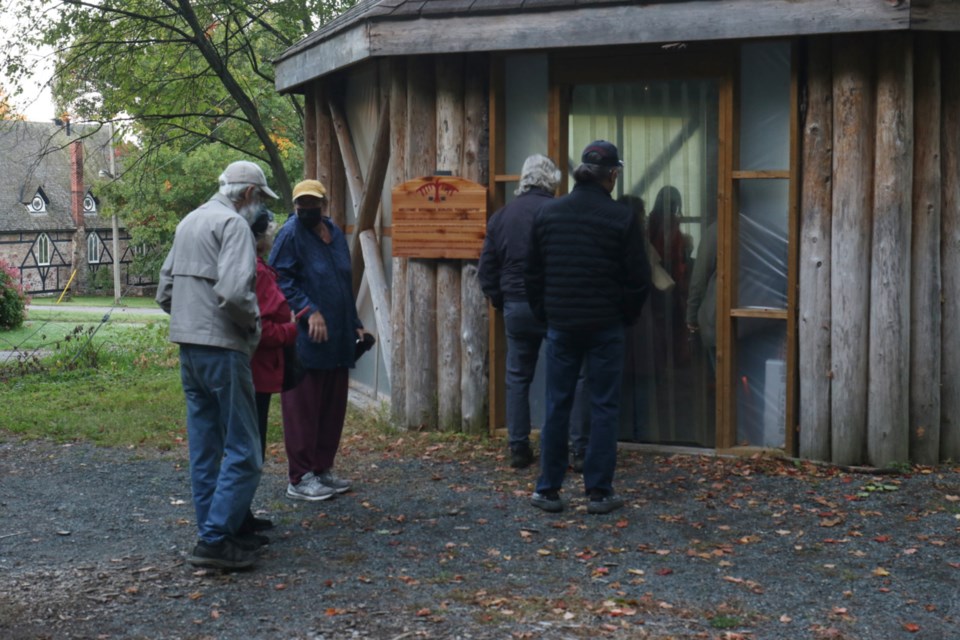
point(372, 192)
point(950, 246)
point(726, 266)
point(310, 133)
point(815, 223)
point(761, 175)
point(496, 336)
point(769, 313)
point(420, 349)
point(435, 212)
point(925, 283)
point(473, 304)
point(853, 142)
point(935, 15)
point(791, 409)
point(347, 153)
point(888, 415)
point(398, 271)
point(379, 295)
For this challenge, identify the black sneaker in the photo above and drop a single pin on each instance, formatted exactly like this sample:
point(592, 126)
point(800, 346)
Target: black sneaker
point(549, 501)
point(576, 462)
point(521, 456)
point(225, 554)
point(252, 524)
point(603, 503)
point(250, 541)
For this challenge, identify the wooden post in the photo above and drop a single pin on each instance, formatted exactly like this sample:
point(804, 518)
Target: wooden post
point(888, 415)
point(348, 153)
point(420, 342)
point(449, 70)
point(925, 328)
point(950, 246)
point(473, 305)
point(310, 151)
point(372, 193)
point(323, 166)
point(816, 194)
point(379, 293)
point(850, 245)
point(398, 271)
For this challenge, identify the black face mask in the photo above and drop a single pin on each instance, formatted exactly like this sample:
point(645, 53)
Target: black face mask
point(310, 218)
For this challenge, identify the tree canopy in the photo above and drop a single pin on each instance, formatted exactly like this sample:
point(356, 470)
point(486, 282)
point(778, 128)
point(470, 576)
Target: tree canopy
point(176, 74)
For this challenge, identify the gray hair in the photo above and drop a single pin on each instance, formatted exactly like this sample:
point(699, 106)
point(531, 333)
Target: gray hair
point(538, 171)
point(233, 191)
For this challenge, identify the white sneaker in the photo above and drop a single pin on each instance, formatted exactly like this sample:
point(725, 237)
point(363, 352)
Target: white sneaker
point(310, 489)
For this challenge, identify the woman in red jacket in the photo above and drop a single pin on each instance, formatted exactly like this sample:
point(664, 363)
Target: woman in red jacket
point(278, 331)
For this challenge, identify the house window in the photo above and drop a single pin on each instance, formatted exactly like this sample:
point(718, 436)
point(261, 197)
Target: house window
point(43, 250)
point(94, 248)
point(39, 202)
point(90, 203)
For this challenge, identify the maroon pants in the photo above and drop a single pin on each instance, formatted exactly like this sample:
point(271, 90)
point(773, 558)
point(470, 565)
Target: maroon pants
point(313, 415)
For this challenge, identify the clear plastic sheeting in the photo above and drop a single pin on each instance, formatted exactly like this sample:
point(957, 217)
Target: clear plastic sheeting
point(525, 98)
point(762, 281)
point(765, 106)
point(761, 379)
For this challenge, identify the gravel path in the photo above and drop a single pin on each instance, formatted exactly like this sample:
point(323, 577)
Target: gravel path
point(438, 541)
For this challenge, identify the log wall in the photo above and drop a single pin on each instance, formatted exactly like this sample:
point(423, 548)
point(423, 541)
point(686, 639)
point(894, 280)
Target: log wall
point(893, 268)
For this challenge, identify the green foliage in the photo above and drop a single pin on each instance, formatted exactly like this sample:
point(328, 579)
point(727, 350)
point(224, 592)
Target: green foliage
point(13, 302)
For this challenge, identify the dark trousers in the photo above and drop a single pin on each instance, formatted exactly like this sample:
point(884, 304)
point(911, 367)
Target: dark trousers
point(263, 411)
point(313, 415)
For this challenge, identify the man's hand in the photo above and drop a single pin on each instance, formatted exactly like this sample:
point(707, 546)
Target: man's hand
point(317, 327)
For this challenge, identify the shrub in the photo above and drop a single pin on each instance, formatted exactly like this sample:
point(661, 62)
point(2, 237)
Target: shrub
point(13, 303)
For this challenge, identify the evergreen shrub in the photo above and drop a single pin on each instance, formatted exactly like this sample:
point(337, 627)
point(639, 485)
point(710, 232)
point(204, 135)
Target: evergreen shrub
point(13, 302)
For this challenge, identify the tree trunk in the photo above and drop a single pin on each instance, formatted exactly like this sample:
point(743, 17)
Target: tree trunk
point(815, 213)
point(888, 416)
point(850, 245)
point(925, 263)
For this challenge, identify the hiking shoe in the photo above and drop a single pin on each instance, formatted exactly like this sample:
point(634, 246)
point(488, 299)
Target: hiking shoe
point(521, 456)
point(225, 554)
point(548, 501)
point(576, 461)
point(250, 541)
point(327, 479)
point(604, 503)
point(310, 489)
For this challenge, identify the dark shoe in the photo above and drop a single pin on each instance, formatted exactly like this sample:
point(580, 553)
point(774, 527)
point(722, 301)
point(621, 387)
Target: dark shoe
point(251, 541)
point(252, 524)
point(521, 456)
point(226, 554)
point(576, 462)
point(548, 501)
point(604, 503)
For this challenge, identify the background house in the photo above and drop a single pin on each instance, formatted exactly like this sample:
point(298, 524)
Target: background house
point(50, 217)
point(819, 139)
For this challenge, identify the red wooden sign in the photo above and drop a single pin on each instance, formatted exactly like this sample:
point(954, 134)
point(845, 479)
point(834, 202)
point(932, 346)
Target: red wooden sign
point(439, 217)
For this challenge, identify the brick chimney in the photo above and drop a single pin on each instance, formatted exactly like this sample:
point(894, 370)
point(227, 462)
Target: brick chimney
point(76, 182)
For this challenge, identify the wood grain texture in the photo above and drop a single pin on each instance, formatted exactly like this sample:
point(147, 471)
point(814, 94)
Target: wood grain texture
point(398, 272)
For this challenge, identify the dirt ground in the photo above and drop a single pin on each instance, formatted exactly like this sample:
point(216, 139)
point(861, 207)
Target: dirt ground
point(439, 541)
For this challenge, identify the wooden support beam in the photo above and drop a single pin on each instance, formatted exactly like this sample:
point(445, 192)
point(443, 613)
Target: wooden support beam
point(473, 304)
point(926, 283)
point(420, 342)
point(816, 195)
point(347, 153)
point(379, 294)
point(888, 415)
point(372, 194)
point(853, 147)
point(950, 246)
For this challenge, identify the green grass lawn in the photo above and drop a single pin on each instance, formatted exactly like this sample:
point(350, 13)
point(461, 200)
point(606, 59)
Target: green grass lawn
point(96, 301)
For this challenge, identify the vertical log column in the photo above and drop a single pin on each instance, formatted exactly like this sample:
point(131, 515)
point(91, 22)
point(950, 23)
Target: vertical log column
point(473, 304)
point(337, 185)
point(449, 69)
point(323, 163)
point(850, 245)
point(310, 133)
point(950, 246)
point(815, 214)
point(420, 341)
point(888, 415)
point(925, 332)
point(398, 272)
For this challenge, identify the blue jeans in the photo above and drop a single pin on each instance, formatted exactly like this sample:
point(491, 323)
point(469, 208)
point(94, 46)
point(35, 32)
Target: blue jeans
point(602, 350)
point(225, 455)
point(524, 335)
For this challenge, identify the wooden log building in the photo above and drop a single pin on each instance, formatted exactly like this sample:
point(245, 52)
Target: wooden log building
point(817, 141)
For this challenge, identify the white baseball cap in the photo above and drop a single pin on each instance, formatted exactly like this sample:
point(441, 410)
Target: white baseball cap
point(245, 172)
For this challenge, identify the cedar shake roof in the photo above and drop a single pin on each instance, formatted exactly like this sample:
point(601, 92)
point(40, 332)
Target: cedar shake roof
point(36, 155)
point(379, 28)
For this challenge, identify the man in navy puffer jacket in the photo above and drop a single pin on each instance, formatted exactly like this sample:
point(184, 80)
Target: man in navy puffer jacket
point(587, 276)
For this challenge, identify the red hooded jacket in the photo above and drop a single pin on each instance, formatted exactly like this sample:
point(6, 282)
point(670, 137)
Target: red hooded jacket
point(278, 331)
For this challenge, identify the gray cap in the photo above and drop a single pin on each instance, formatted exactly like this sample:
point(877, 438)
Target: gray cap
point(245, 172)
